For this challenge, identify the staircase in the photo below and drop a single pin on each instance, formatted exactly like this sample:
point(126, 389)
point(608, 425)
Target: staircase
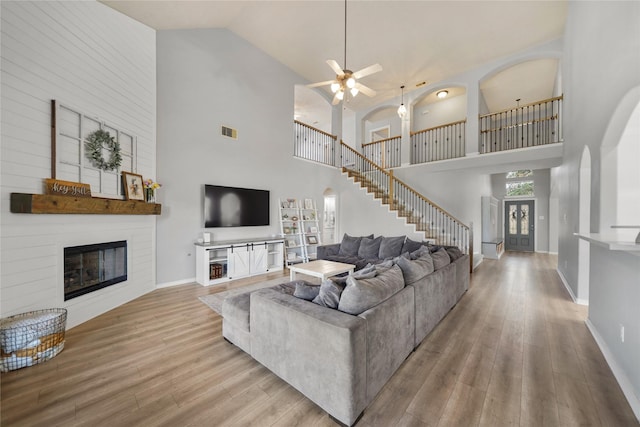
point(427, 217)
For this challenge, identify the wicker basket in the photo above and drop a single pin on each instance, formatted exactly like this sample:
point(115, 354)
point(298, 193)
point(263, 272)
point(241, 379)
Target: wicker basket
point(30, 338)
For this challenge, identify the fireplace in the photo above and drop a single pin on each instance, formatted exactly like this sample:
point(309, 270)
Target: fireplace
point(91, 267)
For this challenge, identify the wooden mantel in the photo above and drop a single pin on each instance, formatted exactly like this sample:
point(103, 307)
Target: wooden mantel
point(52, 204)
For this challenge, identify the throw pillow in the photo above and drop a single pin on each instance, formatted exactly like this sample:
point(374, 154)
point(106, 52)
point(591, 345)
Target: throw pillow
point(418, 253)
point(367, 272)
point(416, 270)
point(369, 248)
point(390, 247)
point(383, 266)
point(329, 295)
point(350, 245)
point(411, 246)
point(454, 253)
point(305, 290)
point(360, 295)
point(440, 258)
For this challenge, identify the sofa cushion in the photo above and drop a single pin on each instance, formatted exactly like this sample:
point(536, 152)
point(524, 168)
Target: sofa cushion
point(369, 248)
point(358, 262)
point(235, 309)
point(410, 246)
point(383, 266)
point(440, 258)
point(305, 290)
point(414, 270)
point(390, 247)
point(360, 295)
point(350, 245)
point(418, 253)
point(454, 253)
point(329, 294)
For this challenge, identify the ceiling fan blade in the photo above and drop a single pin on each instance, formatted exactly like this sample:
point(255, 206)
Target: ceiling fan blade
point(364, 89)
point(328, 82)
point(367, 71)
point(335, 67)
point(336, 100)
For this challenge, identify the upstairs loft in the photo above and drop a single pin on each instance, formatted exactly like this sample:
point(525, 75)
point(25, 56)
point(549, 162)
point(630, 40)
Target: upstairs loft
point(530, 134)
point(501, 116)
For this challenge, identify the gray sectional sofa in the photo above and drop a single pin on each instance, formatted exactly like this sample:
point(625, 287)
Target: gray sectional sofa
point(337, 358)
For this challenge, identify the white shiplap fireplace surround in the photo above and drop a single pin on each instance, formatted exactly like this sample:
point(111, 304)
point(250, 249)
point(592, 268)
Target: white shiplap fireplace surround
point(86, 55)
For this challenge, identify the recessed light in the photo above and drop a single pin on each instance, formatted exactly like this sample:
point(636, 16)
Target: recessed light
point(442, 94)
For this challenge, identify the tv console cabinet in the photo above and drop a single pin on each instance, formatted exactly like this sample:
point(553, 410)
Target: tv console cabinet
point(219, 262)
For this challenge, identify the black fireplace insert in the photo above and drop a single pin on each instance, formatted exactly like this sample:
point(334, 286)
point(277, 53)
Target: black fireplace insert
point(91, 267)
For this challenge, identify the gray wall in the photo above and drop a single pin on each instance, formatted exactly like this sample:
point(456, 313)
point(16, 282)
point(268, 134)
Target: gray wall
point(209, 78)
point(541, 183)
point(601, 66)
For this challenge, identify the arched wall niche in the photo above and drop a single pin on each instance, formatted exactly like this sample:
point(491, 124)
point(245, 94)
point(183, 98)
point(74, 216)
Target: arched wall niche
point(620, 169)
point(526, 77)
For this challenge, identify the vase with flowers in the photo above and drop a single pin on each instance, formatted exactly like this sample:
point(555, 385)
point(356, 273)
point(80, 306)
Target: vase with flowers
point(150, 187)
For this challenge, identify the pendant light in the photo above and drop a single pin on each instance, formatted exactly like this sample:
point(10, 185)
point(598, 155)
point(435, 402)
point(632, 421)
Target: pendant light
point(402, 110)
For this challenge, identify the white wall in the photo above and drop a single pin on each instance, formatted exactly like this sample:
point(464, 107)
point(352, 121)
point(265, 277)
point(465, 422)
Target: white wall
point(207, 78)
point(393, 121)
point(91, 57)
point(458, 192)
point(591, 58)
point(441, 112)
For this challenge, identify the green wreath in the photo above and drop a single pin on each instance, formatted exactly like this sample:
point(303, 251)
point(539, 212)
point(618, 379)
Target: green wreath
point(96, 142)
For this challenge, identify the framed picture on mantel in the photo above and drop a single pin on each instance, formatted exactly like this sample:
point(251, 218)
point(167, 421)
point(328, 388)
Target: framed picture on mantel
point(133, 186)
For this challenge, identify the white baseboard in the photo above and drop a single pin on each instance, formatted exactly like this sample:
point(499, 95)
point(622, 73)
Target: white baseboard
point(553, 253)
point(175, 283)
point(477, 259)
point(568, 288)
point(621, 377)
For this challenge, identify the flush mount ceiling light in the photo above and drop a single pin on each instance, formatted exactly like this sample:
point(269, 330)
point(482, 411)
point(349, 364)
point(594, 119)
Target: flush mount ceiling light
point(345, 78)
point(402, 110)
point(442, 94)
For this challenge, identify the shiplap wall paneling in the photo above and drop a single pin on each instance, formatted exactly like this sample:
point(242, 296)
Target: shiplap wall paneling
point(99, 61)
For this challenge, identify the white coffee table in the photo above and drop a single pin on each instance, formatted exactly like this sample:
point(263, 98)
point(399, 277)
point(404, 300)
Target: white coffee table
point(320, 268)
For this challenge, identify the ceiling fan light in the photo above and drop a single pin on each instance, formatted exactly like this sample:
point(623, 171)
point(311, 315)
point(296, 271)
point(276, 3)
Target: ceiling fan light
point(442, 94)
point(402, 111)
point(354, 91)
point(340, 95)
point(351, 82)
point(335, 86)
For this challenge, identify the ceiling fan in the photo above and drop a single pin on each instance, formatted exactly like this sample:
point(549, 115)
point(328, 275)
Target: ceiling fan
point(345, 78)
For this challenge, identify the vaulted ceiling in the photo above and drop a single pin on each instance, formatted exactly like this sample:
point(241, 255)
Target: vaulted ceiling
point(413, 41)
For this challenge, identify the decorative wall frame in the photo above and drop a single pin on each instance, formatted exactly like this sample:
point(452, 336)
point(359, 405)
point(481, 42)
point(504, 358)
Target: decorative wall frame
point(133, 186)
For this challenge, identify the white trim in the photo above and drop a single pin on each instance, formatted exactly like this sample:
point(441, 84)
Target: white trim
point(175, 283)
point(623, 381)
point(571, 294)
point(552, 253)
point(372, 131)
point(477, 260)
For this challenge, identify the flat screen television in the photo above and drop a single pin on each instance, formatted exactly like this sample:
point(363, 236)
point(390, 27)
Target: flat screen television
point(235, 207)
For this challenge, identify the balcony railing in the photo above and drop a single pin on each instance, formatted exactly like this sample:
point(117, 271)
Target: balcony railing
point(530, 125)
point(438, 143)
point(385, 152)
point(313, 144)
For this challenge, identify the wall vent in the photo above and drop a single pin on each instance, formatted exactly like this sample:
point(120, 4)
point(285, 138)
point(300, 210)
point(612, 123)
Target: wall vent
point(229, 132)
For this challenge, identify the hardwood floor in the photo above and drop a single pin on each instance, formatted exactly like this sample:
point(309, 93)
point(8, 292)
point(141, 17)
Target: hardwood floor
point(514, 351)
